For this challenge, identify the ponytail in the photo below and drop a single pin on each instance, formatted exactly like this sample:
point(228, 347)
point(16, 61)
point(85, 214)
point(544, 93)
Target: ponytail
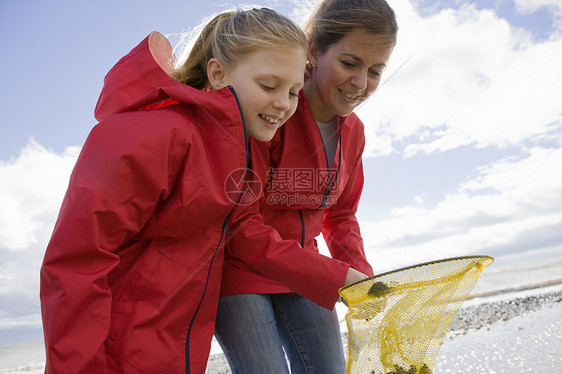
point(194, 71)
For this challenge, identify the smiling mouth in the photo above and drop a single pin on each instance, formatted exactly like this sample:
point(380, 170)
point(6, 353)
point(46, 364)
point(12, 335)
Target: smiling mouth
point(268, 119)
point(348, 95)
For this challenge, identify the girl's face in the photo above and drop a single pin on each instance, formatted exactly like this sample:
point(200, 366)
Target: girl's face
point(267, 83)
point(346, 74)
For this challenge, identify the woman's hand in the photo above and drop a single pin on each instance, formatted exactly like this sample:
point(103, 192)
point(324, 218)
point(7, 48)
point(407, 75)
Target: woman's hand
point(353, 276)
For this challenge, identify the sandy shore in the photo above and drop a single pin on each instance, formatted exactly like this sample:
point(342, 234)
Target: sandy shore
point(476, 315)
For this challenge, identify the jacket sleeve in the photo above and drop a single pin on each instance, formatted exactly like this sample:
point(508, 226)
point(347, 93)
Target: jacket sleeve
point(120, 175)
point(259, 247)
point(340, 227)
point(310, 274)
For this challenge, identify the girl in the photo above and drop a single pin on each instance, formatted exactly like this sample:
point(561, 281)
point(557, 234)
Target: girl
point(314, 173)
point(130, 278)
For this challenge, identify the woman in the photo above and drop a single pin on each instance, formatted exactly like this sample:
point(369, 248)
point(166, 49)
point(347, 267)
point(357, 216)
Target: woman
point(130, 278)
point(314, 180)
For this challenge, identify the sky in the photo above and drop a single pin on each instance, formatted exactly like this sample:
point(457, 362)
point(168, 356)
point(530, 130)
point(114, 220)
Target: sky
point(464, 135)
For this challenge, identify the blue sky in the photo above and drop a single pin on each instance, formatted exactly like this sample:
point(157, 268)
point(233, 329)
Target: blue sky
point(463, 147)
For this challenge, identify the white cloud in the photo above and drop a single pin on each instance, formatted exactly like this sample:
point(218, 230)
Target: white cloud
point(31, 191)
point(553, 6)
point(534, 181)
point(470, 79)
point(302, 9)
point(32, 320)
point(534, 5)
point(511, 203)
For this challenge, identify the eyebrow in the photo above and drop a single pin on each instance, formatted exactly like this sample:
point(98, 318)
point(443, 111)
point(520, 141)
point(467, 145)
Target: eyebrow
point(357, 58)
point(278, 78)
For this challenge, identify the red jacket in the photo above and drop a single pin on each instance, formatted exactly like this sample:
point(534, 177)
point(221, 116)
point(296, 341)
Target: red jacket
point(131, 276)
point(303, 198)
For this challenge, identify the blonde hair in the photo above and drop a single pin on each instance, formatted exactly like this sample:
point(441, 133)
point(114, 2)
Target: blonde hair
point(233, 34)
point(333, 19)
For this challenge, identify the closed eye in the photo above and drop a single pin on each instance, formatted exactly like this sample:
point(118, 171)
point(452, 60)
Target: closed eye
point(266, 87)
point(348, 65)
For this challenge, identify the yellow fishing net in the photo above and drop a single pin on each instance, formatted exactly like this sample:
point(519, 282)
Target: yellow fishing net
point(397, 321)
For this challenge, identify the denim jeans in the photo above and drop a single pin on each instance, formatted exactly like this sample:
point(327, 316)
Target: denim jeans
point(255, 330)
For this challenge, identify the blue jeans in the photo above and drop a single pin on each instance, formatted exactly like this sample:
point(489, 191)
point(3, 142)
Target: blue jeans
point(255, 330)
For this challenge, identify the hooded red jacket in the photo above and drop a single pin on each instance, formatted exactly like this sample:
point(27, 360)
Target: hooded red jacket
point(130, 279)
point(303, 198)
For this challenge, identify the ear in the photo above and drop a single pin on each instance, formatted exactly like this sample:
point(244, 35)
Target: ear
point(216, 74)
point(312, 53)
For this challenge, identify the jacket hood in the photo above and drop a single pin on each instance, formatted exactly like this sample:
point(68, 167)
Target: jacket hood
point(141, 80)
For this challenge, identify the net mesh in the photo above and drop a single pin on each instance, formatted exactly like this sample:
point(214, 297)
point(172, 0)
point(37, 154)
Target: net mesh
point(397, 321)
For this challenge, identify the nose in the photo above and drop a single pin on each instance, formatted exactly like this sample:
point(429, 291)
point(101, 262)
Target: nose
point(359, 80)
point(282, 102)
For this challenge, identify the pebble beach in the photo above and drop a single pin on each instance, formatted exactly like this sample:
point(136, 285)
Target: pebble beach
point(490, 335)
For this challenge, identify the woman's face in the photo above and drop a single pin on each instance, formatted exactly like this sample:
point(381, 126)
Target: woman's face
point(346, 74)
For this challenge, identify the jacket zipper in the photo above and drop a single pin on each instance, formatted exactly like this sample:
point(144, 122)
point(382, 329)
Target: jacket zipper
point(302, 228)
point(224, 231)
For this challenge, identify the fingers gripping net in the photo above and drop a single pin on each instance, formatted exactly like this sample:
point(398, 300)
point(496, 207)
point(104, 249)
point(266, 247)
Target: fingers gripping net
point(397, 321)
